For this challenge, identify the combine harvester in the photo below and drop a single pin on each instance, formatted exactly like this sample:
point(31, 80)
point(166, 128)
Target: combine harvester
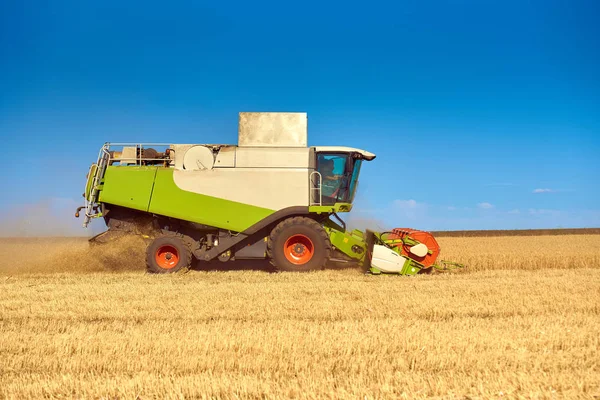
point(270, 197)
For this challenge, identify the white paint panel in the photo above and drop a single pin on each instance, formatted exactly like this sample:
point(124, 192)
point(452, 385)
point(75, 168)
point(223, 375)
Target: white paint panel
point(279, 157)
point(179, 150)
point(272, 188)
point(198, 158)
point(419, 250)
point(386, 259)
point(226, 157)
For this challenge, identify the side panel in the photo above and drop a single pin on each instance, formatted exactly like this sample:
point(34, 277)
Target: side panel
point(276, 157)
point(128, 186)
point(267, 188)
point(256, 250)
point(226, 157)
point(350, 243)
point(169, 200)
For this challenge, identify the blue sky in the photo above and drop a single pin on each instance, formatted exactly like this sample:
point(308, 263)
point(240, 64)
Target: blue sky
point(483, 114)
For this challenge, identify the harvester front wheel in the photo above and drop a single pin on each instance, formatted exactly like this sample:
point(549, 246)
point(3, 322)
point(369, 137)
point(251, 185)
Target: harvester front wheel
point(168, 254)
point(298, 244)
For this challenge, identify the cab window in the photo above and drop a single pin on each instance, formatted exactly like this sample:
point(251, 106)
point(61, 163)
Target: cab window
point(334, 174)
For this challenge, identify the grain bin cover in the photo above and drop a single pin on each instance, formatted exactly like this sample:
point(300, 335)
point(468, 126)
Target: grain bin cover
point(272, 129)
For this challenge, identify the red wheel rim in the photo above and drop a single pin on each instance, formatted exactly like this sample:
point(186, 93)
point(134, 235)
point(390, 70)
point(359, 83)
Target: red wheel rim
point(167, 257)
point(298, 249)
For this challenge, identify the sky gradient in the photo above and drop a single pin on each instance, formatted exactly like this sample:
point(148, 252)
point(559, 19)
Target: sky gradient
point(483, 114)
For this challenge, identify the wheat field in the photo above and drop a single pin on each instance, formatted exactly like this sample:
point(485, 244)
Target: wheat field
point(521, 321)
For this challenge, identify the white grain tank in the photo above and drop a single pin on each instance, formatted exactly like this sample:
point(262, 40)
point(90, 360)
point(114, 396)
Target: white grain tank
point(272, 129)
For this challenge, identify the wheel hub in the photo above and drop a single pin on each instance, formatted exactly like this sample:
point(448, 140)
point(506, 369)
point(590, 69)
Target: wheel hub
point(298, 249)
point(167, 257)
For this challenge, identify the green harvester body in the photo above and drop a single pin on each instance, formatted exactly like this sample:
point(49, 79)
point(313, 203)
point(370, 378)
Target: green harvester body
point(269, 196)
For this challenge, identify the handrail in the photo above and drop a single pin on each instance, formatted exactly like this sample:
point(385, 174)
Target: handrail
point(139, 148)
point(316, 187)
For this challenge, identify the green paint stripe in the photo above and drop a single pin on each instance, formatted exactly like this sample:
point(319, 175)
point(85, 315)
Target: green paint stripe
point(169, 200)
point(335, 208)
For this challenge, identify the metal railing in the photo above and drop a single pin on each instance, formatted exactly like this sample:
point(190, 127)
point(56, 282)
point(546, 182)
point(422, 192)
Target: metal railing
point(315, 188)
point(139, 150)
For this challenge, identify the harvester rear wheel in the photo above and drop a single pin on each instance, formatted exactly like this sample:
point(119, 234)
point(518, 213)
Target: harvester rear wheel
point(168, 254)
point(298, 244)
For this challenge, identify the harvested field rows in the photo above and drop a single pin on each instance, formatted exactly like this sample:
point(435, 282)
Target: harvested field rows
point(484, 332)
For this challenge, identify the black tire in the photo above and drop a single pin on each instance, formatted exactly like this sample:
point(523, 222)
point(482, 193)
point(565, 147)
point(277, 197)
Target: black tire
point(303, 234)
point(168, 254)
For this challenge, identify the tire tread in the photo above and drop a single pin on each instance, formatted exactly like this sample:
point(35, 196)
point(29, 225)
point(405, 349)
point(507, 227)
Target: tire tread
point(301, 221)
point(186, 256)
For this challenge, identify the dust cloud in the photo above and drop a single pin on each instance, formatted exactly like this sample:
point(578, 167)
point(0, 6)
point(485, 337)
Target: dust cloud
point(364, 222)
point(71, 255)
point(48, 217)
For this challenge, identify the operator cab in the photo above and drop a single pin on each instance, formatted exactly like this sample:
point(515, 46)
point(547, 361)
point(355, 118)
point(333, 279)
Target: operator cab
point(339, 168)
